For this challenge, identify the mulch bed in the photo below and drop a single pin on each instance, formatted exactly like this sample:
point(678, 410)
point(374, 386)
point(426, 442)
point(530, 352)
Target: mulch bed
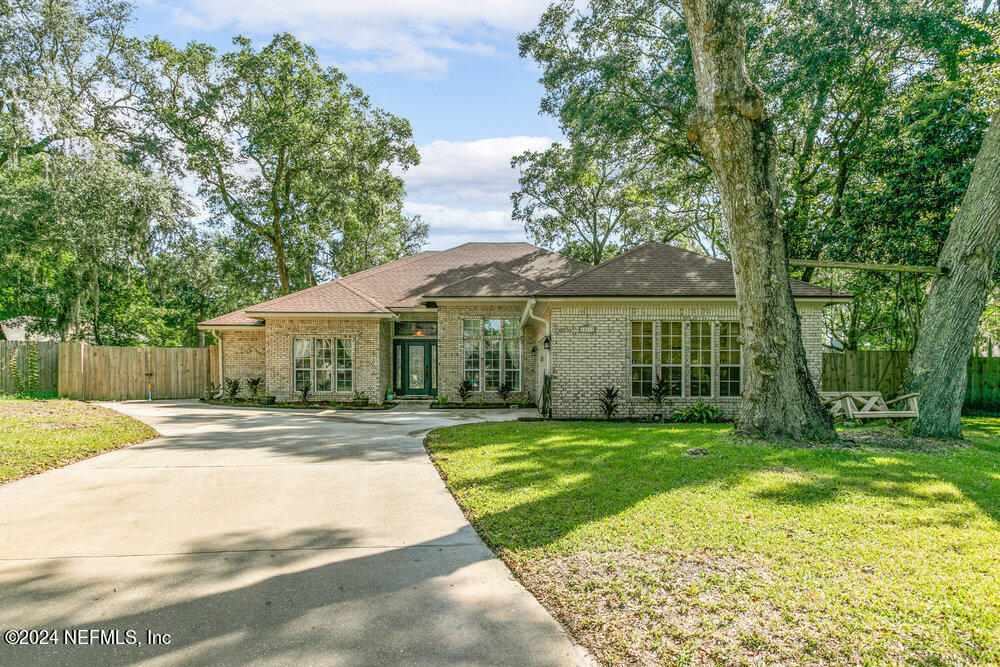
point(298, 405)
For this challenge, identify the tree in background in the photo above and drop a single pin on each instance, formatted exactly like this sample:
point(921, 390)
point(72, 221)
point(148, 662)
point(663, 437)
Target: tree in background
point(282, 146)
point(591, 198)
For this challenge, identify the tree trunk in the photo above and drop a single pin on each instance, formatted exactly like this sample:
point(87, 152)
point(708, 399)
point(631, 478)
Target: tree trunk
point(282, 264)
point(955, 305)
point(731, 127)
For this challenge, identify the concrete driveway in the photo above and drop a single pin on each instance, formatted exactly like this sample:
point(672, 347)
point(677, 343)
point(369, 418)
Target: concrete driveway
point(263, 536)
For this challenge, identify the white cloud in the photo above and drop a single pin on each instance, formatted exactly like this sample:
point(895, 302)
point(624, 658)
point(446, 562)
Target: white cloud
point(453, 226)
point(462, 189)
point(397, 35)
point(470, 174)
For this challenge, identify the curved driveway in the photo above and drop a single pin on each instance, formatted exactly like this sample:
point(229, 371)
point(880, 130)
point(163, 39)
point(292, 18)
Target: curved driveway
point(263, 536)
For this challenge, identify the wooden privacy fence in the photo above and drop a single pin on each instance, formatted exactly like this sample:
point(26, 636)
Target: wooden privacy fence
point(17, 352)
point(102, 372)
point(884, 371)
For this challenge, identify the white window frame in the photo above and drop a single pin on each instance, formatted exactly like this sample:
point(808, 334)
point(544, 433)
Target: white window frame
point(502, 337)
point(336, 368)
point(737, 349)
point(711, 357)
point(661, 351)
point(633, 365)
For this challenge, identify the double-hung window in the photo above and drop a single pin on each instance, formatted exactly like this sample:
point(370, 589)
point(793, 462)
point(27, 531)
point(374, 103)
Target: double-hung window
point(642, 358)
point(672, 356)
point(491, 350)
point(730, 359)
point(323, 364)
point(701, 359)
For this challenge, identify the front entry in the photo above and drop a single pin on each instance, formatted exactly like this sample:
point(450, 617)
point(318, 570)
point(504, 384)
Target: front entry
point(415, 367)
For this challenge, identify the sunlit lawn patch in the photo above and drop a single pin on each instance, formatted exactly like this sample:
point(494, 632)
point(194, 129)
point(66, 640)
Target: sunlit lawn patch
point(751, 553)
point(36, 435)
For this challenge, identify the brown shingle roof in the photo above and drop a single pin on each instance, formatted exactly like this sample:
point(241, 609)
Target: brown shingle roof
point(492, 282)
point(237, 318)
point(660, 270)
point(512, 269)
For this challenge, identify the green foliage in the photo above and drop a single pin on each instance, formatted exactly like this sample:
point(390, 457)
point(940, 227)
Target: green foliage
point(465, 389)
point(305, 392)
point(212, 390)
point(26, 384)
point(255, 385)
point(504, 391)
point(309, 183)
point(700, 413)
point(661, 392)
point(359, 398)
point(232, 390)
point(608, 399)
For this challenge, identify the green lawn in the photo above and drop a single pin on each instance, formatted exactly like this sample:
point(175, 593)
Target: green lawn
point(751, 553)
point(36, 435)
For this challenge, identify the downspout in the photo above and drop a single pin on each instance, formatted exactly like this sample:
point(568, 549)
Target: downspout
point(215, 332)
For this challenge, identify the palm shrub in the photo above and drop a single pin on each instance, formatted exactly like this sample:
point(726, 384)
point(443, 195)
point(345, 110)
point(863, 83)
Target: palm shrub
point(661, 390)
point(233, 388)
point(700, 412)
point(212, 390)
point(608, 398)
point(254, 385)
point(464, 390)
point(504, 390)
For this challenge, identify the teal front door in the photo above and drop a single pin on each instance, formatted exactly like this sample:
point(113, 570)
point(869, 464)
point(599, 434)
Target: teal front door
point(415, 367)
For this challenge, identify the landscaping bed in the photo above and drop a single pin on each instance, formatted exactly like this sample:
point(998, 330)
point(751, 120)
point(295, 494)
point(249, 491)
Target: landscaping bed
point(310, 405)
point(37, 435)
point(480, 405)
point(677, 543)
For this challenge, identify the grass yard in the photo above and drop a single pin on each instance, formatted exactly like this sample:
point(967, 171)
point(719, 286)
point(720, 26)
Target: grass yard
point(36, 435)
point(746, 554)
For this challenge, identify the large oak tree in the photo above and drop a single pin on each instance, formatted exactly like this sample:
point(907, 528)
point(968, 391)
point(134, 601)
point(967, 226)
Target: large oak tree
point(283, 146)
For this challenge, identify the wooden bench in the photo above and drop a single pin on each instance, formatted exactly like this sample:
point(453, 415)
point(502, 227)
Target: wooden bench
point(851, 405)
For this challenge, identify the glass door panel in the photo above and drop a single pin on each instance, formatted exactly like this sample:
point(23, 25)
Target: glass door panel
point(416, 372)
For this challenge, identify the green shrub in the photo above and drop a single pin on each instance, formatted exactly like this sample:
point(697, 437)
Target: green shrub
point(700, 412)
point(661, 391)
point(504, 390)
point(26, 384)
point(306, 391)
point(608, 398)
point(255, 385)
point(464, 390)
point(233, 388)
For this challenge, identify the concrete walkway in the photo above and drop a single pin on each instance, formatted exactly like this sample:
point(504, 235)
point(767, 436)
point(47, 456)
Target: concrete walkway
point(264, 536)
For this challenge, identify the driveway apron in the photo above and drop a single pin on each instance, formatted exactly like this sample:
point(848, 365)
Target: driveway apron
point(246, 535)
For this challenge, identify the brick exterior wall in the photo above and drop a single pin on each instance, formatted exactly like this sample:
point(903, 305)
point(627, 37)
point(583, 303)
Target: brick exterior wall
point(450, 362)
point(582, 363)
point(366, 332)
point(243, 354)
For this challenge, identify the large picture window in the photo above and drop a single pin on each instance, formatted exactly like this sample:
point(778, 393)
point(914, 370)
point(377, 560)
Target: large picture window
point(672, 356)
point(730, 359)
point(322, 362)
point(701, 359)
point(491, 349)
point(642, 358)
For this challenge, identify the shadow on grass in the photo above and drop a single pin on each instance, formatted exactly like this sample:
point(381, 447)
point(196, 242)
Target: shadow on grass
point(573, 474)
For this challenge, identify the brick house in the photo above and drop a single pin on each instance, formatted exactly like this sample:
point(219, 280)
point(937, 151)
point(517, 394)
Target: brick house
point(511, 313)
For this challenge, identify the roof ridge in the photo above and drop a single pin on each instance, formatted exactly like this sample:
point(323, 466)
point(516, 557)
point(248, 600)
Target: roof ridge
point(597, 266)
point(362, 295)
point(487, 270)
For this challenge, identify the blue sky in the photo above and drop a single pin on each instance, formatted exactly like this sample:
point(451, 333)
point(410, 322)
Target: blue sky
point(449, 66)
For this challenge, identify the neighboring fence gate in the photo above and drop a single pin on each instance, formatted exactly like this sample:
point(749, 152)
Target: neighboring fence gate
point(885, 370)
point(99, 372)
